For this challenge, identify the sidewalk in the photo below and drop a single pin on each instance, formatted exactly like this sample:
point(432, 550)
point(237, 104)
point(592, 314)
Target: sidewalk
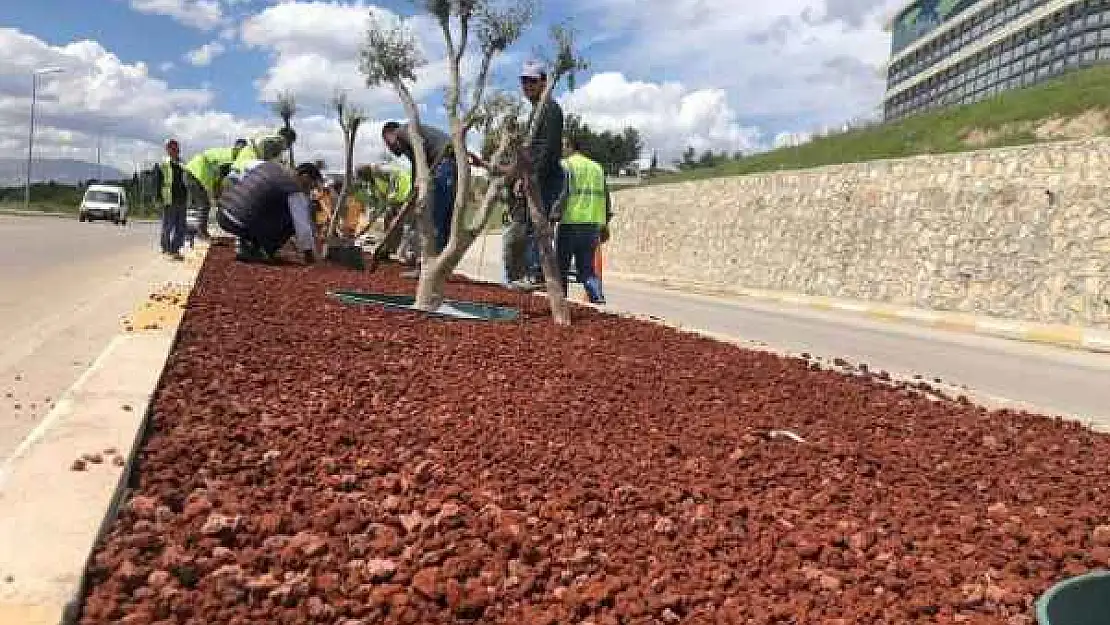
point(998, 371)
point(61, 485)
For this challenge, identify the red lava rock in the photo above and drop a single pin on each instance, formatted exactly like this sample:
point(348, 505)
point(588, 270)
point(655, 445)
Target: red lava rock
point(998, 511)
point(219, 524)
point(425, 583)
point(666, 527)
point(1101, 536)
point(143, 507)
point(385, 467)
point(380, 570)
point(196, 506)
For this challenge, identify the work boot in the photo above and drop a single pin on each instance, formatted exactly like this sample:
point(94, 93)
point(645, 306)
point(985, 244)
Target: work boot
point(248, 253)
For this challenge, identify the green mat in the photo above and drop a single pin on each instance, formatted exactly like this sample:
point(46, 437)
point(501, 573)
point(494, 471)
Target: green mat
point(453, 309)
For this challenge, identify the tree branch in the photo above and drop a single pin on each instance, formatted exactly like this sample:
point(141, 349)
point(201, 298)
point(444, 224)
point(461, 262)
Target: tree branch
point(495, 185)
point(421, 173)
point(479, 91)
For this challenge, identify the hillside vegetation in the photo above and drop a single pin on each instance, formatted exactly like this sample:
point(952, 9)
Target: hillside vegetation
point(1073, 106)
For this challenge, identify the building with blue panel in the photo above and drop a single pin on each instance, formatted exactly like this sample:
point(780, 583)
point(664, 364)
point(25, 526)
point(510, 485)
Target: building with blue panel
point(946, 52)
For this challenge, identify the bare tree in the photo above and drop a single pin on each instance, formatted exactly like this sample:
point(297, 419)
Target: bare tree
point(285, 107)
point(350, 119)
point(391, 57)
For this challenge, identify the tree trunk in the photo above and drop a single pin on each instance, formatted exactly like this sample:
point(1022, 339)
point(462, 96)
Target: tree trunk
point(433, 281)
point(560, 310)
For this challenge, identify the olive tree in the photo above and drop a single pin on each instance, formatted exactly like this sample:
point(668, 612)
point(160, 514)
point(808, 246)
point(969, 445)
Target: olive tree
point(350, 119)
point(391, 57)
point(285, 106)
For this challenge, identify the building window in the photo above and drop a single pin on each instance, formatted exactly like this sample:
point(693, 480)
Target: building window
point(1058, 66)
point(1089, 56)
point(1091, 38)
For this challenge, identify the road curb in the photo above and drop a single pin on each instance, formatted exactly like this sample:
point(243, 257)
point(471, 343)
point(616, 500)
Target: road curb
point(53, 517)
point(1071, 337)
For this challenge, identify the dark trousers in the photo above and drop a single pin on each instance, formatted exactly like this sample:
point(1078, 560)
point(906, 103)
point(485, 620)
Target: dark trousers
point(196, 221)
point(173, 228)
point(550, 187)
point(254, 240)
point(578, 242)
point(443, 200)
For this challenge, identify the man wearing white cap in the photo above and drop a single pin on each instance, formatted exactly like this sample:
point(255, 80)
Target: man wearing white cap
point(546, 152)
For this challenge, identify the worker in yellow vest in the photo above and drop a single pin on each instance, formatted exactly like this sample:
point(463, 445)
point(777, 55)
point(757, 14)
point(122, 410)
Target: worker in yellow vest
point(207, 171)
point(583, 215)
point(171, 183)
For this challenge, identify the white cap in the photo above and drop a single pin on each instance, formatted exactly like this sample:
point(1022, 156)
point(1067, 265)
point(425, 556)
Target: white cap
point(532, 69)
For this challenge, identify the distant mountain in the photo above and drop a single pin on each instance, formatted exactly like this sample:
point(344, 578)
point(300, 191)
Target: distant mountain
point(61, 170)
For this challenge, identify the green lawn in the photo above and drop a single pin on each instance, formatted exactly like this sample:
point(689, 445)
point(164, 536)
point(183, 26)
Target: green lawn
point(932, 133)
point(43, 207)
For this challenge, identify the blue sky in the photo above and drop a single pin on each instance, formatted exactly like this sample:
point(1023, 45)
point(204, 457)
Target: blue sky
point(725, 75)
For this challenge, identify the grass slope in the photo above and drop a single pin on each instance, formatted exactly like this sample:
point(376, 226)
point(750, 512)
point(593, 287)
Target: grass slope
point(935, 132)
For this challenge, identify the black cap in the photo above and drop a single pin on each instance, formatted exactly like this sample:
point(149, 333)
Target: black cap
point(310, 170)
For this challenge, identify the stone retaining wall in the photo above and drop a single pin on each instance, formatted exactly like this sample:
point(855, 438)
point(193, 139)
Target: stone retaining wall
point(1019, 233)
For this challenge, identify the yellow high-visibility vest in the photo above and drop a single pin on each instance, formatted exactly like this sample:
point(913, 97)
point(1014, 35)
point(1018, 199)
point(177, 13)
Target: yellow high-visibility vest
point(586, 193)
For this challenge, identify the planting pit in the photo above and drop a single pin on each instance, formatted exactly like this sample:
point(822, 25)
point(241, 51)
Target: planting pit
point(312, 462)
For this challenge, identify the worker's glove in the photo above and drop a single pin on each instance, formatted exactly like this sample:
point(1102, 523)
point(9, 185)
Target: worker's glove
point(604, 238)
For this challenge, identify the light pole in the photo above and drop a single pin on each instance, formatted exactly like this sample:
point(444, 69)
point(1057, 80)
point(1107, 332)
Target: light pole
point(31, 134)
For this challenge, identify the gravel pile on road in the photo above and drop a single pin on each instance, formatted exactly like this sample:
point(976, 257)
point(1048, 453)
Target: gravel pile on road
point(311, 462)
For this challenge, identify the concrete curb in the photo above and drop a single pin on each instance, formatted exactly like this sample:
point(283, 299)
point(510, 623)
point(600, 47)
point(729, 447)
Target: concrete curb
point(1071, 337)
point(52, 517)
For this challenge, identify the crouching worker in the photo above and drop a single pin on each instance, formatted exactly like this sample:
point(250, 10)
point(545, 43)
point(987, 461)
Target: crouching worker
point(267, 207)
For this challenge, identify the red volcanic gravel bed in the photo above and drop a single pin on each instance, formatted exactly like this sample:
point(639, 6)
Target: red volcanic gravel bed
point(310, 462)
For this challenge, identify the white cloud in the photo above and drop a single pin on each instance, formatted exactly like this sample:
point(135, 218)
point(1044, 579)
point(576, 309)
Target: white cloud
point(133, 112)
point(204, 55)
point(166, 66)
point(200, 14)
point(794, 65)
point(669, 116)
point(315, 48)
point(790, 139)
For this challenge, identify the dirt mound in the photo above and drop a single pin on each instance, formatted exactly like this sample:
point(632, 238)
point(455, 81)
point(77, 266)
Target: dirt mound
point(1091, 123)
point(311, 462)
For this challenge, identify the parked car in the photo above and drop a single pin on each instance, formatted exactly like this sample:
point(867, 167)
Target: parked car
point(104, 202)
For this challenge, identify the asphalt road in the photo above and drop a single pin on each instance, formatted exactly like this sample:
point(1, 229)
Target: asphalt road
point(997, 372)
point(64, 286)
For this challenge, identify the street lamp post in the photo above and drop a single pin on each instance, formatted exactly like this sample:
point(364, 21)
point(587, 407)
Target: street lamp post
point(31, 134)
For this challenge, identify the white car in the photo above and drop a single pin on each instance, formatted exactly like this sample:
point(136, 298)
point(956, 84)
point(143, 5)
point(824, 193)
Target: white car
point(104, 202)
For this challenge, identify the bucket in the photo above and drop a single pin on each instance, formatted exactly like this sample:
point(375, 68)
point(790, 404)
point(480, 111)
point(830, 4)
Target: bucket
point(1082, 600)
